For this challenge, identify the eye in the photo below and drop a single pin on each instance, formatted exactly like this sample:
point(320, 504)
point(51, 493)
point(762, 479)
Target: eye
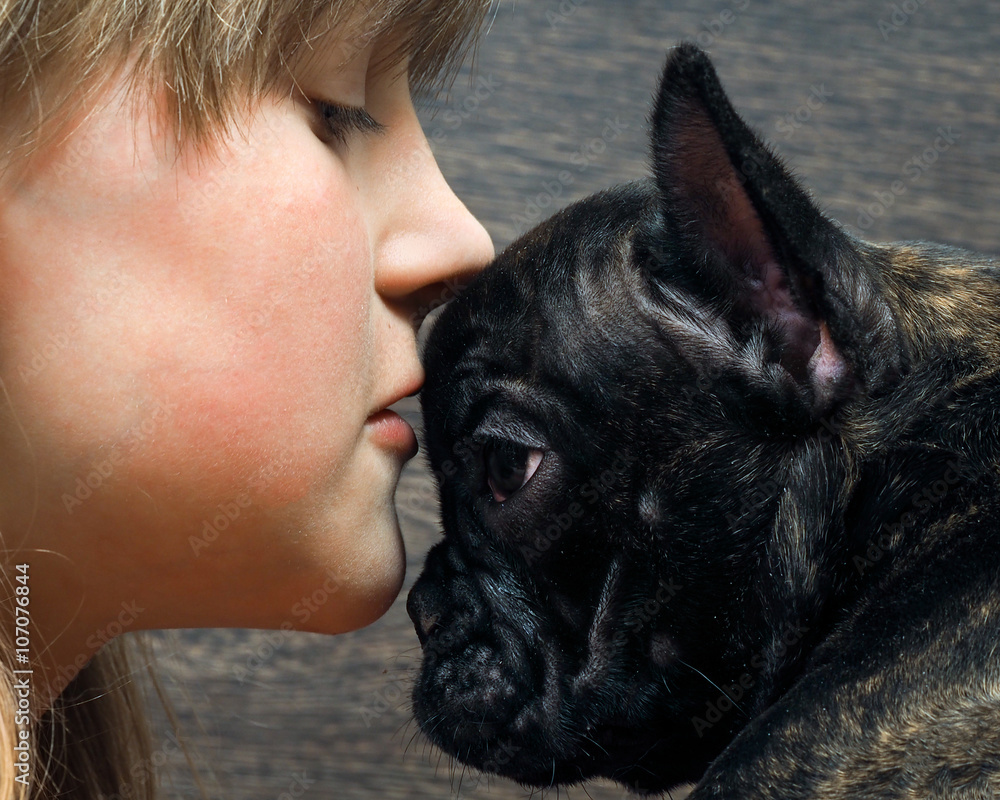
point(339, 122)
point(509, 466)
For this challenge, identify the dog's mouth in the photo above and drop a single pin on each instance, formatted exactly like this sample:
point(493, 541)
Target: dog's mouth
point(506, 692)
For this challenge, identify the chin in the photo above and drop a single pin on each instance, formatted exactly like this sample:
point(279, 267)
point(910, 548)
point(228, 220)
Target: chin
point(351, 541)
point(358, 582)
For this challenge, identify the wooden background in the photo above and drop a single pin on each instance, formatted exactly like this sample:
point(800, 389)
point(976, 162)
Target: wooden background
point(853, 94)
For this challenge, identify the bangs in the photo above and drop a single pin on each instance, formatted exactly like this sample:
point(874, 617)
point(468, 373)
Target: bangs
point(436, 35)
point(55, 54)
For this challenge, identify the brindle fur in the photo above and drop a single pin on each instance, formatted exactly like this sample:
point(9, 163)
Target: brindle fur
point(791, 443)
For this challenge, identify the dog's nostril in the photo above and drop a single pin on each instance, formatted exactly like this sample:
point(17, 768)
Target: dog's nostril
point(419, 607)
point(425, 624)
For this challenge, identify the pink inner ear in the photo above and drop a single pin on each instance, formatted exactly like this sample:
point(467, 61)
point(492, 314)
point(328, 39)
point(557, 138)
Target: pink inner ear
point(707, 183)
point(827, 366)
point(769, 290)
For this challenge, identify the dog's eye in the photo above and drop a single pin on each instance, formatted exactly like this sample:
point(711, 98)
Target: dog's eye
point(509, 466)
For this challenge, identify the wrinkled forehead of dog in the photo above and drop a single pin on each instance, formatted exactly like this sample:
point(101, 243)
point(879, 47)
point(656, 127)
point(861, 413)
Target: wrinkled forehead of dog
point(571, 296)
point(596, 311)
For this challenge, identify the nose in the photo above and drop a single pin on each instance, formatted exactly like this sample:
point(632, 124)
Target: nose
point(432, 245)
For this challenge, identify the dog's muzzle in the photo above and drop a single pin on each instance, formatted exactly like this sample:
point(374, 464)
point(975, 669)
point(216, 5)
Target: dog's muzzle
point(500, 687)
point(479, 672)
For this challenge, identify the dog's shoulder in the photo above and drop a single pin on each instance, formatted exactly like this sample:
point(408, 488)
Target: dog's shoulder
point(902, 698)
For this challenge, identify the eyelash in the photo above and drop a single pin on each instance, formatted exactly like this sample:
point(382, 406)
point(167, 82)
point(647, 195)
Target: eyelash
point(341, 122)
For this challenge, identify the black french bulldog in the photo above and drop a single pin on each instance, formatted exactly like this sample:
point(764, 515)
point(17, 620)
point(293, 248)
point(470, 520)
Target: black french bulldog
point(720, 492)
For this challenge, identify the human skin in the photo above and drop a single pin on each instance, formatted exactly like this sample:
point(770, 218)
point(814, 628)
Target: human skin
point(194, 348)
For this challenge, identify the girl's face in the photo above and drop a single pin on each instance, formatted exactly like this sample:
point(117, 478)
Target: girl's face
point(198, 349)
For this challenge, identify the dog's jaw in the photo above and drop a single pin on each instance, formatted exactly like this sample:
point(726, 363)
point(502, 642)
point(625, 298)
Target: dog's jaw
point(504, 693)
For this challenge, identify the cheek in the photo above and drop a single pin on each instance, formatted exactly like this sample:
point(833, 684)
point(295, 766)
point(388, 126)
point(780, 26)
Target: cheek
point(277, 401)
point(211, 347)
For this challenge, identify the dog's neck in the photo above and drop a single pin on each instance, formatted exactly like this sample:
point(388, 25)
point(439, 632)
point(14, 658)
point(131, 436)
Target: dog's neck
point(958, 294)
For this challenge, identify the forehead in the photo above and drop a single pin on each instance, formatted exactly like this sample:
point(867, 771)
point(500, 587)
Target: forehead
point(554, 311)
point(580, 271)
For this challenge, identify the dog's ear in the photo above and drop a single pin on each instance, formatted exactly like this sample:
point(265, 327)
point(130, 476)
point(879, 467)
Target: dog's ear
point(749, 230)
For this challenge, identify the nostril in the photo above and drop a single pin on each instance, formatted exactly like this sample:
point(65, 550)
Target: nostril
point(424, 619)
point(422, 303)
point(425, 625)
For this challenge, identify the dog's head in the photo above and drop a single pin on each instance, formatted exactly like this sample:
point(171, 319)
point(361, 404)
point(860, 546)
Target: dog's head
point(617, 411)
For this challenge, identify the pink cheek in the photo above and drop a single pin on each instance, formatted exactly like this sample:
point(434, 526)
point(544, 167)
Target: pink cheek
point(276, 414)
point(276, 409)
point(236, 435)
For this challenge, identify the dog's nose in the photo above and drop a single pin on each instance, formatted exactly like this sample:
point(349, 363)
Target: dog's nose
point(424, 623)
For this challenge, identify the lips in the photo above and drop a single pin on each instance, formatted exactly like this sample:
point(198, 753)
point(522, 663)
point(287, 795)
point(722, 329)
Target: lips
point(391, 431)
point(405, 388)
point(387, 428)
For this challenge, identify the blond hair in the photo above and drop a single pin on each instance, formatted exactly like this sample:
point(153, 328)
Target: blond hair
point(204, 57)
point(54, 53)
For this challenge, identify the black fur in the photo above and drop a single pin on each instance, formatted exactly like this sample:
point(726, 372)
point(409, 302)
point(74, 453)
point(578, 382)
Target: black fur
point(760, 551)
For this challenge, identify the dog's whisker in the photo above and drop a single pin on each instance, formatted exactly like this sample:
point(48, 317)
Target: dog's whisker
point(714, 685)
point(596, 744)
point(409, 743)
